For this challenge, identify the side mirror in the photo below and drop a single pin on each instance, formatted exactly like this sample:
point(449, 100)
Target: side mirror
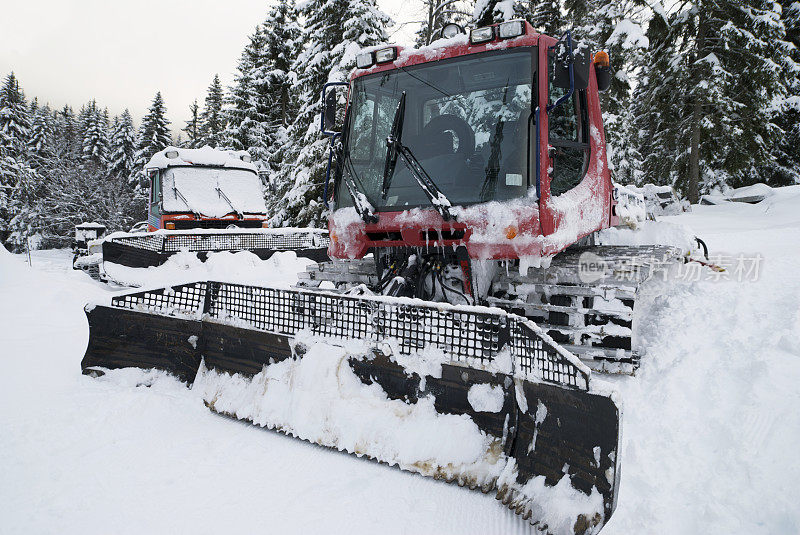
point(566, 53)
point(144, 182)
point(330, 100)
point(602, 69)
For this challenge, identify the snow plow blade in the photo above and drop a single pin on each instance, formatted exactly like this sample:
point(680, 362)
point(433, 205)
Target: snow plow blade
point(141, 250)
point(470, 395)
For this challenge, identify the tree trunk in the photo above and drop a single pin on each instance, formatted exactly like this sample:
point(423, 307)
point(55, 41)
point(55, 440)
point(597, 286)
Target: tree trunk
point(697, 115)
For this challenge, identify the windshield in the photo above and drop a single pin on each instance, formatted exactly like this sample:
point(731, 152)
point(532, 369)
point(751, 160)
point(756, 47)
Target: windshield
point(197, 191)
point(466, 121)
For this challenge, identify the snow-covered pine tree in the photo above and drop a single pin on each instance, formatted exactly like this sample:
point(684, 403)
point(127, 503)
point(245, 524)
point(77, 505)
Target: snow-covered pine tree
point(282, 45)
point(14, 117)
point(40, 142)
point(122, 148)
point(154, 134)
point(702, 124)
point(335, 31)
point(437, 14)
point(212, 120)
point(95, 135)
point(545, 15)
point(244, 115)
point(192, 127)
point(784, 167)
point(65, 133)
point(651, 140)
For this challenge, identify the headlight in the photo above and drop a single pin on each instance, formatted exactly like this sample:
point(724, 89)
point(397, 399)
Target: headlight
point(451, 30)
point(365, 60)
point(385, 55)
point(171, 154)
point(513, 28)
point(481, 35)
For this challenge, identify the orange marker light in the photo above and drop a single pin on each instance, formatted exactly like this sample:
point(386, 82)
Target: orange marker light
point(511, 232)
point(169, 226)
point(601, 59)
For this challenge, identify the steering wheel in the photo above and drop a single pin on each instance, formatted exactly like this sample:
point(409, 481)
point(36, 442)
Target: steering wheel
point(449, 122)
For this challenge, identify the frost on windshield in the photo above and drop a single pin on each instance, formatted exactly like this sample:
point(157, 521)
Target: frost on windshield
point(192, 189)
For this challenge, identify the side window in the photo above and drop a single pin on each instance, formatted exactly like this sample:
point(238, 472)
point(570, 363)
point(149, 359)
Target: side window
point(155, 188)
point(569, 139)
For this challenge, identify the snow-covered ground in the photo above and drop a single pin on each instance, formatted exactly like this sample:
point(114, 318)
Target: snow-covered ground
point(711, 423)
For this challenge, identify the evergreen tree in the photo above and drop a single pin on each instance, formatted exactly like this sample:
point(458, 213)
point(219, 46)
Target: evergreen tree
point(192, 127)
point(335, 31)
point(40, 142)
point(703, 124)
point(14, 119)
point(65, 133)
point(122, 147)
point(212, 121)
point(438, 13)
point(154, 134)
point(246, 112)
point(95, 135)
point(546, 16)
point(784, 167)
point(261, 103)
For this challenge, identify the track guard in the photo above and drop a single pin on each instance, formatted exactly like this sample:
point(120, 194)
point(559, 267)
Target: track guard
point(550, 444)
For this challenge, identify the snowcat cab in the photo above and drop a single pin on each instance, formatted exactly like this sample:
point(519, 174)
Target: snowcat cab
point(506, 125)
point(204, 188)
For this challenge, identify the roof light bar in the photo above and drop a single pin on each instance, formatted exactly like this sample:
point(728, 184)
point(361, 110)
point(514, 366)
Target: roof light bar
point(386, 55)
point(510, 29)
point(481, 35)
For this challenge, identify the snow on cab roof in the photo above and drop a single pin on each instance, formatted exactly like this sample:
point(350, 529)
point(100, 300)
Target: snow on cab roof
point(206, 156)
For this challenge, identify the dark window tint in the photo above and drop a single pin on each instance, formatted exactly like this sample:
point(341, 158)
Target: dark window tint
point(569, 139)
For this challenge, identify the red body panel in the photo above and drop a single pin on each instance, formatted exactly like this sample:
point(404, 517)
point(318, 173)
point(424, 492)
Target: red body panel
point(522, 227)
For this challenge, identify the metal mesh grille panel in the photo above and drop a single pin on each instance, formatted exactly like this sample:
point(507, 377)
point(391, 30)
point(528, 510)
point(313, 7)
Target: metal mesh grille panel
point(229, 241)
point(464, 335)
point(535, 356)
point(182, 299)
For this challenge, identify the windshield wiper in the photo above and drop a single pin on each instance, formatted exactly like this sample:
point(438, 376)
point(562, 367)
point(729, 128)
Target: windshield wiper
point(227, 200)
point(395, 148)
point(178, 194)
point(360, 201)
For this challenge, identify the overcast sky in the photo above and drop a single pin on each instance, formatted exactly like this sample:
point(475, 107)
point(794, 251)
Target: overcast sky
point(121, 53)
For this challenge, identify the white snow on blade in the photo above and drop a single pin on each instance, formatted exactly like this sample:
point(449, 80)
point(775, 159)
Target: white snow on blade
point(484, 397)
point(556, 506)
point(320, 399)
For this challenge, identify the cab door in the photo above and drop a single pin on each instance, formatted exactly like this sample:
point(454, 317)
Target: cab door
point(154, 204)
point(574, 180)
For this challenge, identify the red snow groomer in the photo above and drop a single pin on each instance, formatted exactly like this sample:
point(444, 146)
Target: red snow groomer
point(206, 200)
point(470, 177)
